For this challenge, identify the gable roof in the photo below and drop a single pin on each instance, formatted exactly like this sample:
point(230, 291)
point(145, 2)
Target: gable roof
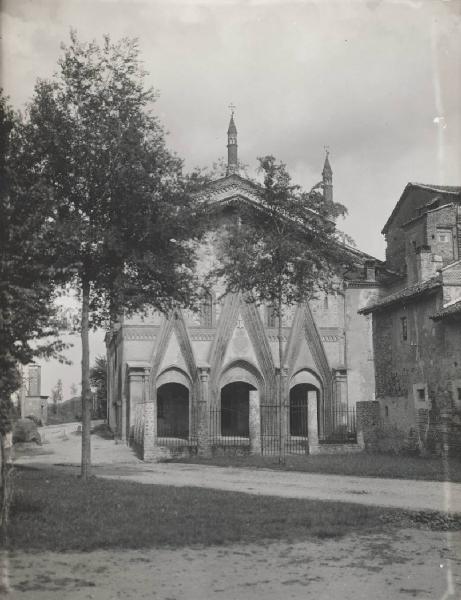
point(234, 187)
point(408, 293)
point(448, 311)
point(454, 190)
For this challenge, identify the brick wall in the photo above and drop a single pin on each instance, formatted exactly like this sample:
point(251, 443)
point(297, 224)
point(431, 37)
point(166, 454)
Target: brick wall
point(396, 242)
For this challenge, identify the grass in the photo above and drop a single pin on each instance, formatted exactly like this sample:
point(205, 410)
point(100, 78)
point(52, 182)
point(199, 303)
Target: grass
point(357, 465)
point(59, 512)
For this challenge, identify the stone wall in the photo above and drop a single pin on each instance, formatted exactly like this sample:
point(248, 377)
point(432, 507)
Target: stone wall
point(36, 406)
point(368, 424)
point(418, 379)
point(358, 358)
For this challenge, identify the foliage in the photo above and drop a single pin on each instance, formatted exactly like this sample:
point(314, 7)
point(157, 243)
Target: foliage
point(56, 395)
point(122, 213)
point(29, 322)
point(98, 378)
point(123, 218)
point(285, 249)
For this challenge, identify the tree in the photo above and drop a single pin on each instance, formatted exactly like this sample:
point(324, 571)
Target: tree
point(56, 396)
point(98, 378)
point(29, 322)
point(282, 251)
point(122, 213)
point(73, 390)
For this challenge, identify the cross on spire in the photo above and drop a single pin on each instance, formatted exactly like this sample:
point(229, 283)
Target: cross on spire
point(232, 108)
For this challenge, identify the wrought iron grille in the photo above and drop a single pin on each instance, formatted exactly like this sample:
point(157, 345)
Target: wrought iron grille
point(229, 427)
point(339, 426)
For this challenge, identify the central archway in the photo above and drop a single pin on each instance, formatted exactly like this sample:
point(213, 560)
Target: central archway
point(235, 409)
point(239, 412)
point(300, 396)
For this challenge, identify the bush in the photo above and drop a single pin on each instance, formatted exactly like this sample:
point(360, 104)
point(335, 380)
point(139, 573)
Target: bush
point(25, 430)
point(35, 419)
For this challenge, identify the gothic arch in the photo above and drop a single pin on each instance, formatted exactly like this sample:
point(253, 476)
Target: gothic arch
point(241, 370)
point(304, 327)
point(175, 323)
point(306, 375)
point(173, 374)
point(233, 305)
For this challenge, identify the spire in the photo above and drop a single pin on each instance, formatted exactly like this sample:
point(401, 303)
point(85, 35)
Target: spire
point(232, 159)
point(327, 177)
point(232, 128)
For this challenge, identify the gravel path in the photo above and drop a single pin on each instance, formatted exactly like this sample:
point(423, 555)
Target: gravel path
point(117, 461)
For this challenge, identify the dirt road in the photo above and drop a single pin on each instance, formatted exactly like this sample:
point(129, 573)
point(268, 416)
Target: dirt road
point(388, 566)
point(391, 565)
point(119, 462)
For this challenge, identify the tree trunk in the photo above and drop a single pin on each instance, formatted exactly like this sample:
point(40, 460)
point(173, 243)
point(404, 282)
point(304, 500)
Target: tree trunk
point(6, 498)
point(6, 490)
point(86, 392)
point(280, 388)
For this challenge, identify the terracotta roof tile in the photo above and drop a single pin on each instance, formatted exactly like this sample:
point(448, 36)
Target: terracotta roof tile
point(407, 293)
point(448, 311)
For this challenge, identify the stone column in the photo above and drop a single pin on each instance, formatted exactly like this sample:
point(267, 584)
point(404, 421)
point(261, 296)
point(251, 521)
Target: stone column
point(284, 408)
point(312, 423)
point(203, 414)
point(254, 422)
point(283, 404)
point(136, 396)
point(149, 420)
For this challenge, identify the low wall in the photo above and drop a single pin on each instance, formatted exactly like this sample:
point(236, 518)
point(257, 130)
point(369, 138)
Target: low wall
point(338, 448)
point(433, 431)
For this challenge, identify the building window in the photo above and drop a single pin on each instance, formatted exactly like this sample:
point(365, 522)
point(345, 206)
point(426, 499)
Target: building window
point(325, 302)
point(404, 328)
point(459, 394)
point(444, 237)
point(421, 394)
point(386, 411)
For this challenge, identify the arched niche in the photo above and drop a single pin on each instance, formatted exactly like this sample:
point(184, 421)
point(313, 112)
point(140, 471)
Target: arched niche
point(307, 377)
point(305, 387)
point(241, 371)
point(173, 375)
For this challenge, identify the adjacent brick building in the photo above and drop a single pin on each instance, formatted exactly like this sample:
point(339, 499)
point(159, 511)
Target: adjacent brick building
point(416, 316)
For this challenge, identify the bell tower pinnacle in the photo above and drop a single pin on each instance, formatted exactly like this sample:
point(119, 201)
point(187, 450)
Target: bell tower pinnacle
point(327, 177)
point(232, 159)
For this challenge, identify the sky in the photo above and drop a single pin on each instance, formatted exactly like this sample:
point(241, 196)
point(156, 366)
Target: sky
point(378, 82)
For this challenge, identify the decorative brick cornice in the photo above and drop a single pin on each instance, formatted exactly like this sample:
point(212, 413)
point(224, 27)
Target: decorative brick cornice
point(275, 338)
point(202, 335)
point(330, 338)
point(139, 332)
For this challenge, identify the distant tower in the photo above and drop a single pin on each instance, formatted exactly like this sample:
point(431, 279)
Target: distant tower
point(327, 178)
point(232, 160)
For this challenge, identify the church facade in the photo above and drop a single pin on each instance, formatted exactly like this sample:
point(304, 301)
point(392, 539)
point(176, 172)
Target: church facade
point(207, 382)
